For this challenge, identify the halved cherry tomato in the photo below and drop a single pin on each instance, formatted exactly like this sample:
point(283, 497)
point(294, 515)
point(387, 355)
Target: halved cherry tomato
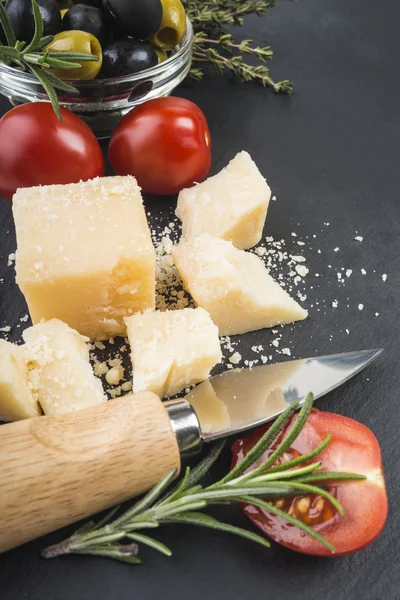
point(36, 149)
point(353, 448)
point(164, 143)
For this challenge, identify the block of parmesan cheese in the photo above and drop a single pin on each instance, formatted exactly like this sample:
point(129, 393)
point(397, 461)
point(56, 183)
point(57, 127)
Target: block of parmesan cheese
point(85, 254)
point(233, 286)
point(60, 376)
point(16, 399)
point(171, 350)
point(231, 205)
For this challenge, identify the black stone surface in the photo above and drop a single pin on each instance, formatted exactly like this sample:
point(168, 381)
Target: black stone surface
point(331, 154)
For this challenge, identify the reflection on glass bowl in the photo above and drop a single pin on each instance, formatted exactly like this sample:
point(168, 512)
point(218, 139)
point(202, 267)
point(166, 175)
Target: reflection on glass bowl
point(103, 102)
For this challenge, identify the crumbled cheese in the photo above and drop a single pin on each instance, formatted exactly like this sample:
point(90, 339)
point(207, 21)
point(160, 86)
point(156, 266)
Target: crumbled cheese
point(11, 259)
point(286, 351)
point(348, 272)
point(336, 249)
point(384, 277)
point(114, 375)
point(235, 358)
point(363, 271)
point(360, 306)
point(334, 304)
point(5, 329)
point(301, 270)
point(359, 238)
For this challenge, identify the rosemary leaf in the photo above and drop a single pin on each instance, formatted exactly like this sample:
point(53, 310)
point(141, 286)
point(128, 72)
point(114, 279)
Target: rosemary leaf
point(39, 27)
point(265, 442)
point(44, 42)
point(147, 500)
point(48, 86)
point(6, 25)
point(290, 474)
point(271, 508)
point(60, 63)
point(60, 84)
point(148, 541)
point(286, 442)
point(198, 472)
point(101, 539)
point(73, 56)
point(116, 554)
point(303, 458)
point(206, 521)
point(332, 477)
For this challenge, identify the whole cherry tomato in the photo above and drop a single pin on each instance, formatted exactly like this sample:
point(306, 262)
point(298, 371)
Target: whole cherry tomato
point(164, 143)
point(37, 149)
point(353, 448)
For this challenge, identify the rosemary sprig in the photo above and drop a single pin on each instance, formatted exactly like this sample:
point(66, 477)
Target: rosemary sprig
point(185, 501)
point(31, 57)
point(214, 45)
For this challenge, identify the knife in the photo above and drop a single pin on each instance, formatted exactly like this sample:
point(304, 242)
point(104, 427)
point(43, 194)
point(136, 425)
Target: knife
point(58, 469)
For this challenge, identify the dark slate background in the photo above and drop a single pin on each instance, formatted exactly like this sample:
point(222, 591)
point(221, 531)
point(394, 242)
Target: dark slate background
point(331, 154)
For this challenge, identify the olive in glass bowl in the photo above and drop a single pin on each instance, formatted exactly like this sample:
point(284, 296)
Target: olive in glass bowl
point(102, 102)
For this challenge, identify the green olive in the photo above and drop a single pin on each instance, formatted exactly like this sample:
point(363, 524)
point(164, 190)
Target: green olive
point(162, 55)
point(173, 25)
point(77, 41)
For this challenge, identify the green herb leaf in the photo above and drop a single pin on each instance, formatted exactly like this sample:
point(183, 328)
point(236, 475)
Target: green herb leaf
point(39, 27)
point(48, 86)
point(6, 25)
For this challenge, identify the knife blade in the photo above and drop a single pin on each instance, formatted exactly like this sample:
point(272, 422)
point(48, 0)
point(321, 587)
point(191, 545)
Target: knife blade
point(240, 399)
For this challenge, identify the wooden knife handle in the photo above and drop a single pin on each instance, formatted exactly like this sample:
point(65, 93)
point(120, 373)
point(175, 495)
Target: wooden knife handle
point(57, 469)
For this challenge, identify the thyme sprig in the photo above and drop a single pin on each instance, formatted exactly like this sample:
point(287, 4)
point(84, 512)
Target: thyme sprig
point(214, 45)
point(118, 537)
point(32, 57)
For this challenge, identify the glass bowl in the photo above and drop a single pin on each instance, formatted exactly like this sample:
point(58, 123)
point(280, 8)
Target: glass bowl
point(103, 102)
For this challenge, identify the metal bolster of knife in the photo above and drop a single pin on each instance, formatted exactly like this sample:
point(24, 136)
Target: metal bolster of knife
point(186, 426)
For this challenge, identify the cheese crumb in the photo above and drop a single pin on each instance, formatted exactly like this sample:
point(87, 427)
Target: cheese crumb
point(334, 304)
point(301, 270)
point(114, 375)
point(363, 271)
point(384, 277)
point(286, 351)
point(359, 238)
point(11, 259)
point(235, 358)
point(349, 272)
point(360, 306)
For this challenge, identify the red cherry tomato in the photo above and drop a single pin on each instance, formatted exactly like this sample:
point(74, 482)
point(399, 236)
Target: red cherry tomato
point(37, 149)
point(164, 143)
point(353, 448)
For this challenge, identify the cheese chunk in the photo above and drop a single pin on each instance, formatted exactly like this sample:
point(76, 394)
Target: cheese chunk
point(16, 399)
point(85, 254)
point(231, 205)
point(233, 286)
point(171, 350)
point(61, 376)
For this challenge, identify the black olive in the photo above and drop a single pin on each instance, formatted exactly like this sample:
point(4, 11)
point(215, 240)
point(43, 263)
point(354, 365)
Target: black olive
point(138, 18)
point(124, 57)
point(96, 3)
point(86, 18)
point(20, 14)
